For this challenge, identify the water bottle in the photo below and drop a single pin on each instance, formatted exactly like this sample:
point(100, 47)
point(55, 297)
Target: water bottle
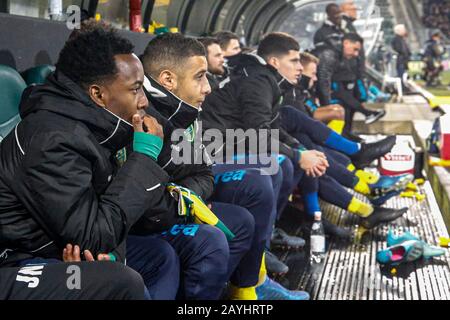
point(317, 248)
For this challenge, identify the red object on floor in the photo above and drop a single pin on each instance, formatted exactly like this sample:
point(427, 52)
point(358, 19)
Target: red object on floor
point(445, 137)
point(135, 16)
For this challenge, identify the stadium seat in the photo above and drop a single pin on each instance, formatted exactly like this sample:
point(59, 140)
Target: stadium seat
point(37, 75)
point(11, 88)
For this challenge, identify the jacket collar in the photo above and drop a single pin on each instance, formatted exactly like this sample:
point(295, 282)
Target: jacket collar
point(258, 60)
point(330, 24)
point(348, 19)
point(180, 113)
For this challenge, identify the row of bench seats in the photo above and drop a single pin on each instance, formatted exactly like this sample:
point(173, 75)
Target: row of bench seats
point(12, 85)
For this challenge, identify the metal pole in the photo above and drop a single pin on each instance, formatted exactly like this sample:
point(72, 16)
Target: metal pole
point(92, 8)
point(55, 9)
point(147, 17)
point(4, 6)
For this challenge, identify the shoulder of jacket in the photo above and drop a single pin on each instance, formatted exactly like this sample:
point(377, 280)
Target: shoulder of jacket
point(262, 78)
point(328, 54)
point(55, 129)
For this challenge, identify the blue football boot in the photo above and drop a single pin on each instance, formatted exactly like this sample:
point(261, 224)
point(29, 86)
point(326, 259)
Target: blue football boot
point(378, 201)
point(271, 290)
point(386, 184)
point(408, 251)
point(393, 240)
point(428, 250)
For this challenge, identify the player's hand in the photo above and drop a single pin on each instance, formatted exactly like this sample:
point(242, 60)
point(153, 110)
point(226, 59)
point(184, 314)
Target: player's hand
point(148, 123)
point(314, 163)
point(73, 254)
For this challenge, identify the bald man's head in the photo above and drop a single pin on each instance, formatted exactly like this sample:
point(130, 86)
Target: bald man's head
point(400, 30)
point(350, 9)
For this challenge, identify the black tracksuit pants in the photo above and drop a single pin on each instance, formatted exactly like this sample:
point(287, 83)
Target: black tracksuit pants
point(346, 97)
point(57, 281)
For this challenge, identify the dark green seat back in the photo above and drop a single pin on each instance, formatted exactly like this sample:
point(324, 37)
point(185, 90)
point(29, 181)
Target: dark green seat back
point(11, 88)
point(37, 75)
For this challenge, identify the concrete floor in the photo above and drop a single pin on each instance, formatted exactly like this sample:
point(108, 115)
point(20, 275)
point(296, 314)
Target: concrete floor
point(399, 117)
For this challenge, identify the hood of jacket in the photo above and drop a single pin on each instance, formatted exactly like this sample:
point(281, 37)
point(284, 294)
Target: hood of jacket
point(60, 95)
point(246, 64)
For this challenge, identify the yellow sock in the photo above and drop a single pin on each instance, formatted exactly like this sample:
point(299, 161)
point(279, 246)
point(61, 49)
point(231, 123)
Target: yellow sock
point(249, 293)
point(360, 208)
point(262, 271)
point(362, 187)
point(237, 293)
point(368, 177)
point(337, 125)
point(351, 167)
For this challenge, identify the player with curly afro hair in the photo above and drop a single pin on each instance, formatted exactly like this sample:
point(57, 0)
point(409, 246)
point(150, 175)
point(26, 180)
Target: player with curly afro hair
point(88, 55)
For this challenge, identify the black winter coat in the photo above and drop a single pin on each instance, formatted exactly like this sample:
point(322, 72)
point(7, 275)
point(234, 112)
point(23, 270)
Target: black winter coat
point(360, 63)
point(197, 174)
point(250, 100)
point(326, 31)
point(401, 47)
point(298, 96)
point(333, 67)
point(59, 182)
